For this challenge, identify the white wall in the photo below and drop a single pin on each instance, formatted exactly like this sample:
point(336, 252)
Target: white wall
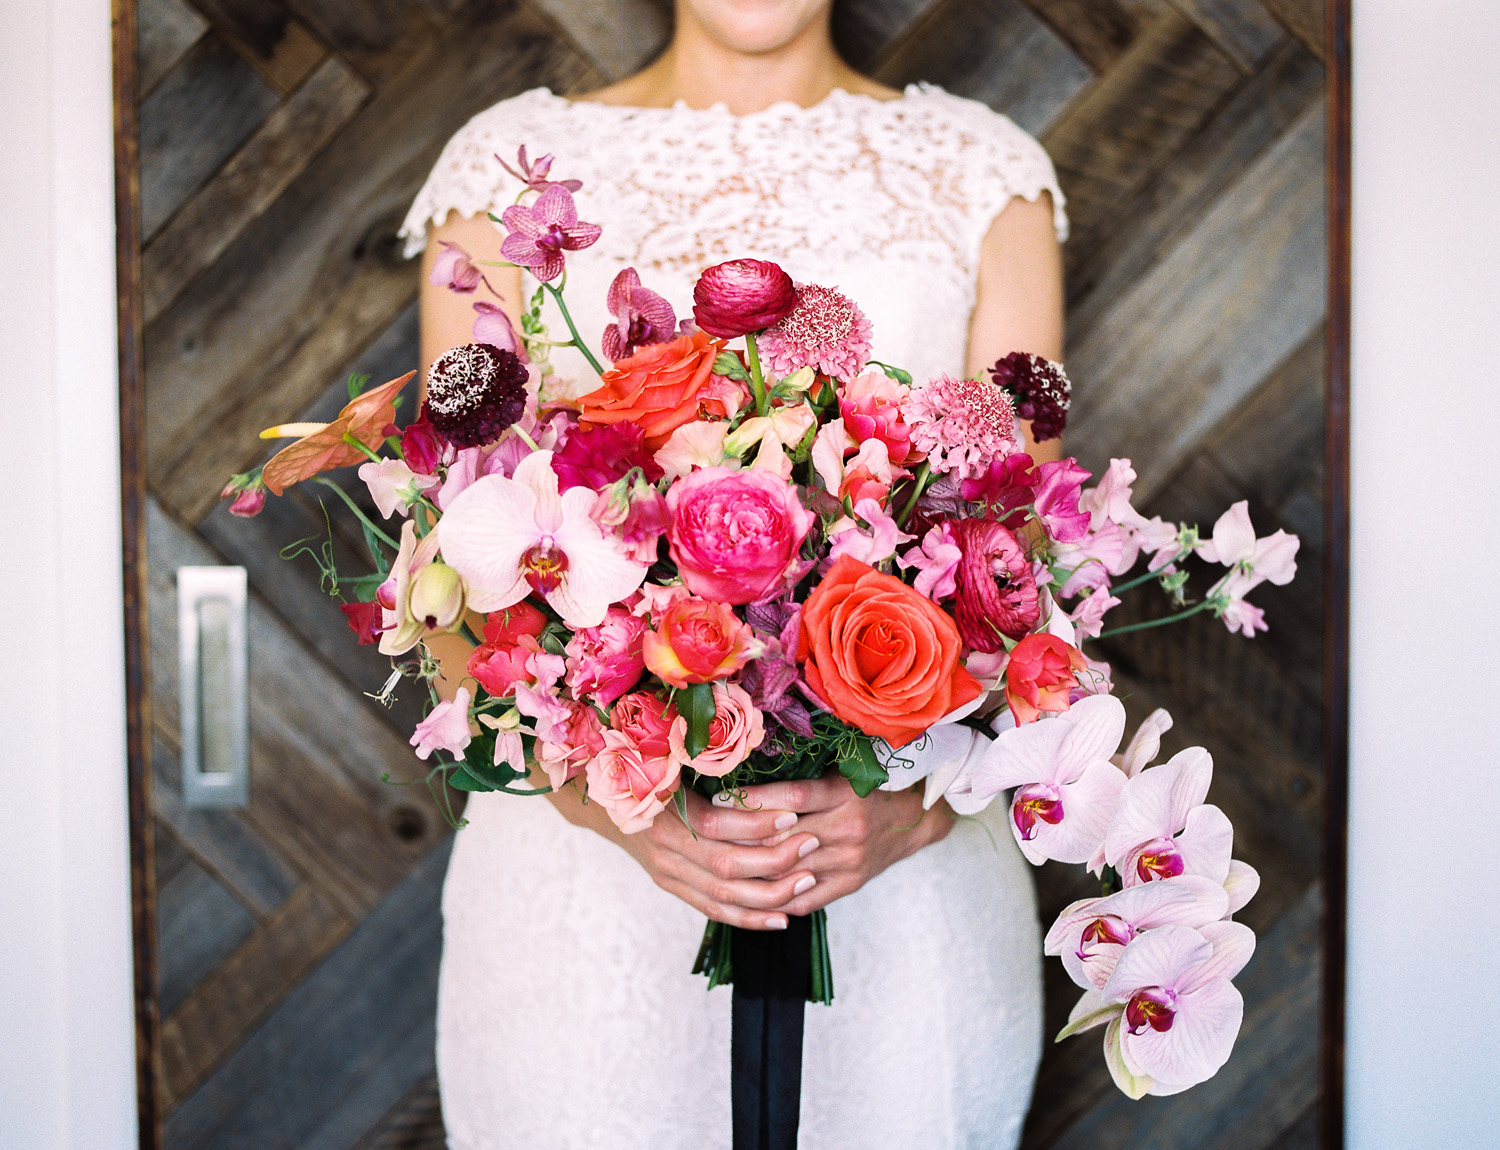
point(1424, 1015)
point(66, 1037)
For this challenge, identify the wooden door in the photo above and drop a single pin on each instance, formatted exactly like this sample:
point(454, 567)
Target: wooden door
point(281, 142)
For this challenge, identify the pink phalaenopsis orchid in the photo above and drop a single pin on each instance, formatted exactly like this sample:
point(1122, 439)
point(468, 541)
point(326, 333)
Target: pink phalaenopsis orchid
point(641, 317)
point(542, 231)
point(1162, 828)
point(510, 537)
point(1067, 787)
point(493, 326)
point(454, 270)
point(534, 173)
point(446, 728)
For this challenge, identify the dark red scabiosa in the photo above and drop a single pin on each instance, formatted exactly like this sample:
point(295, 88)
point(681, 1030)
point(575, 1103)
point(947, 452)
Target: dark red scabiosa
point(474, 393)
point(596, 455)
point(997, 594)
point(1040, 389)
point(742, 296)
point(641, 317)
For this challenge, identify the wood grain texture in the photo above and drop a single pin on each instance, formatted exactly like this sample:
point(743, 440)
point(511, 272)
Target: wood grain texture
point(166, 30)
point(278, 46)
point(1241, 28)
point(865, 32)
point(618, 38)
point(201, 924)
point(414, 1123)
point(288, 139)
point(378, 37)
point(1304, 19)
point(1099, 31)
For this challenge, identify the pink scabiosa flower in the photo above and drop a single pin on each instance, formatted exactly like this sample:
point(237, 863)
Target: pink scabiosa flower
point(825, 330)
point(474, 393)
point(742, 296)
point(1040, 390)
point(454, 270)
point(446, 728)
point(961, 425)
point(605, 661)
point(510, 537)
point(534, 173)
point(996, 596)
point(735, 535)
point(870, 405)
point(596, 455)
point(641, 317)
point(540, 232)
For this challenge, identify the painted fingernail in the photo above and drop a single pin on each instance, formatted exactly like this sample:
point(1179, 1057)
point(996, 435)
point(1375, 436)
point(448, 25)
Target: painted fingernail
point(785, 820)
point(807, 848)
point(723, 798)
point(804, 884)
point(776, 922)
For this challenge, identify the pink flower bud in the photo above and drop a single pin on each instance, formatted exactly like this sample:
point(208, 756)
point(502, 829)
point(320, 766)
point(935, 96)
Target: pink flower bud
point(741, 296)
point(437, 597)
point(248, 493)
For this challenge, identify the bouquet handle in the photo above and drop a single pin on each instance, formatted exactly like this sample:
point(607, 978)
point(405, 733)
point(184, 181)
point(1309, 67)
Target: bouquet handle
point(772, 982)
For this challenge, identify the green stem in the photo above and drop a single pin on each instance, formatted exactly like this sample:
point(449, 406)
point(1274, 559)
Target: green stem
point(757, 380)
point(577, 339)
point(358, 446)
point(1147, 577)
point(1162, 622)
point(363, 518)
point(919, 483)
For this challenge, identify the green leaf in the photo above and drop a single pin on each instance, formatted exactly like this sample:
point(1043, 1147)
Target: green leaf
point(377, 553)
point(728, 364)
point(696, 704)
point(357, 385)
point(862, 768)
point(896, 373)
point(463, 781)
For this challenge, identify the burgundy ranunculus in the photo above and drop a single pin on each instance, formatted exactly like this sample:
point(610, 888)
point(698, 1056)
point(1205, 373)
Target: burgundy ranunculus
point(594, 456)
point(997, 594)
point(741, 296)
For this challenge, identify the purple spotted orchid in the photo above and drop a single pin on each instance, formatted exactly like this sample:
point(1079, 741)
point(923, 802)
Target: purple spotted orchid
point(541, 231)
point(641, 317)
point(534, 173)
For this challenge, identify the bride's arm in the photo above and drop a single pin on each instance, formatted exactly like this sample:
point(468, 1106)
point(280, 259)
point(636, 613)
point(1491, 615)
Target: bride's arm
point(714, 871)
point(1018, 307)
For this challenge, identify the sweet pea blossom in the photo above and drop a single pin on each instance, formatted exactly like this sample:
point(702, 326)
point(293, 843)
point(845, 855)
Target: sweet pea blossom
point(394, 486)
point(872, 544)
point(493, 326)
point(1251, 562)
point(541, 231)
point(1162, 828)
point(512, 537)
point(694, 446)
point(936, 561)
point(454, 270)
point(446, 728)
point(773, 434)
point(1067, 785)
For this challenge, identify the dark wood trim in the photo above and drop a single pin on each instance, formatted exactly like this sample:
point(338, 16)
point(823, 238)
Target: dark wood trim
point(133, 533)
point(1336, 583)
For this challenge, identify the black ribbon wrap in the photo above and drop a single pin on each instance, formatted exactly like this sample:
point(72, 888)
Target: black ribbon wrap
point(772, 978)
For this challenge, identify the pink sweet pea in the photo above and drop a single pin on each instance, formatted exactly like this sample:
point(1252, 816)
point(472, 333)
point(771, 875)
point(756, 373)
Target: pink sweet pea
point(1088, 616)
point(583, 739)
point(542, 231)
point(1067, 785)
point(936, 562)
point(512, 537)
point(872, 544)
point(394, 486)
point(446, 728)
point(1162, 828)
point(1056, 499)
point(493, 326)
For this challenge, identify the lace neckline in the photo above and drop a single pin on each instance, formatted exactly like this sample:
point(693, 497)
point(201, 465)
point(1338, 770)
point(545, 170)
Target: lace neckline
point(837, 100)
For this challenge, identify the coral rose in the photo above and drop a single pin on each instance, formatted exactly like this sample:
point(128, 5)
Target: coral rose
point(510, 639)
point(736, 729)
point(735, 535)
point(633, 788)
point(696, 641)
point(647, 720)
point(663, 386)
point(1042, 671)
point(881, 656)
point(735, 298)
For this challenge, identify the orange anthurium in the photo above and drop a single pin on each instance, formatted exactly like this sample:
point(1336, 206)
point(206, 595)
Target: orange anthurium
point(322, 446)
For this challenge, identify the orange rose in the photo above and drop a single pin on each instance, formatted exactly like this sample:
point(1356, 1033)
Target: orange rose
point(663, 386)
point(884, 658)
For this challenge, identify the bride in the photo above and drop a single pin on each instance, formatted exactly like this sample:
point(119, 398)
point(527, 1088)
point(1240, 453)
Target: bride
point(567, 1016)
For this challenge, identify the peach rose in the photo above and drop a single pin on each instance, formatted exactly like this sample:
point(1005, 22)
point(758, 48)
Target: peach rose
point(646, 720)
point(1042, 671)
point(662, 387)
point(696, 641)
point(631, 787)
point(881, 656)
point(737, 729)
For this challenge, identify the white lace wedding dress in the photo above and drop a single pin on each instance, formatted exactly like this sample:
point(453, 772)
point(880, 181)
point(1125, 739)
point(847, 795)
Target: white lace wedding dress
point(566, 1014)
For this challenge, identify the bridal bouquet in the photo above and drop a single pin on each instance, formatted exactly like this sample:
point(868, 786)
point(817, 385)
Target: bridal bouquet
point(751, 552)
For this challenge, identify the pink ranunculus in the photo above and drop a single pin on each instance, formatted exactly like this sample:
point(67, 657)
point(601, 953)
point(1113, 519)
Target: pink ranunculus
point(870, 405)
point(446, 728)
point(583, 739)
point(996, 595)
point(646, 719)
point(735, 535)
point(742, 296)
point(736, 729)
point(631, 787)
point(454, 270)
point(605, 661)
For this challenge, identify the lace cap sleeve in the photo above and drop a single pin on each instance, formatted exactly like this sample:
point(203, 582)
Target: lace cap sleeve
point(467, 178)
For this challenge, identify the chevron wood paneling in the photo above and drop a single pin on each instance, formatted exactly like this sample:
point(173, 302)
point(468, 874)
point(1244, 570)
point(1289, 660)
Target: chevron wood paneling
point(281, 143)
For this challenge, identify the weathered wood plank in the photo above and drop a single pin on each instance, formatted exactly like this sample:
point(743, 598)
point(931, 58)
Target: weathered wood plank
point(199, 922)
point(316, 754)
point(171, 855)
point(1131, 121)
point(264, 32)
point(1187, 342)
point(1099, 31)
point(1103, 266)
point(202, 110)
point(253, 177)
point(1268, 1082)
point(378, 37)
point(165, 30)
point(341, 1049)
point(1303, 19)
point(1242, 28)
point(996, 51)
point(221, 1009)
point(619, 38)
point(312, 281)
point(865, 31)
point(1303, 1134)
point(414, 1123)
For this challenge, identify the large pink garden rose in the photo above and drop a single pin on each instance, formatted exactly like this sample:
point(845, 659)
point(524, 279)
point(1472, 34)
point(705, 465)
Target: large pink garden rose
point(631, 787)
point(735, 534)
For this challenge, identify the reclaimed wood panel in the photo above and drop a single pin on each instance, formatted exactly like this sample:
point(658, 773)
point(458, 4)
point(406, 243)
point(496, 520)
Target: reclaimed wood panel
point(1245, 32)
point(414, 1123)
point(281, 48)
point(166, 29)
point(1304, 19)
point(619, 38)
point(1099, 31)
point(199, 923)
point(378, 37)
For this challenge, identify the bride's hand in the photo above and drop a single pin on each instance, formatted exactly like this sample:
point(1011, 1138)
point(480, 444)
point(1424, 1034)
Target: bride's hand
point(858, 838)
